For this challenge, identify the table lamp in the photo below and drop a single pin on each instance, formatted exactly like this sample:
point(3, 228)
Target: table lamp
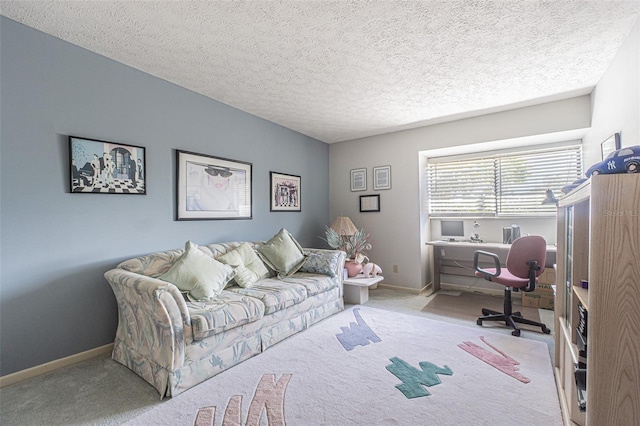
point(343, 226)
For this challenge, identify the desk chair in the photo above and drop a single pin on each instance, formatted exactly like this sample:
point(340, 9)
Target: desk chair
point(525, 262)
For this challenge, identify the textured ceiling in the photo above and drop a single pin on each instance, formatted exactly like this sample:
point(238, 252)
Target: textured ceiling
point(339, 70)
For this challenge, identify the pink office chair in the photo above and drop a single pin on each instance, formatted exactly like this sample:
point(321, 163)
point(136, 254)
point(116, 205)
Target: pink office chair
point(525, 262)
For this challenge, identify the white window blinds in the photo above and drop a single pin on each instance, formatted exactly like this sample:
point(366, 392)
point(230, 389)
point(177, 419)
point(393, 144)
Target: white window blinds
point(511, 184)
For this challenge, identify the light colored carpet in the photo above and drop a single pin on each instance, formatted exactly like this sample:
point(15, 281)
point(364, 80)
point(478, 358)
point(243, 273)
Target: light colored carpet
point(350, 368)
point(417, 304)
point(465, 306)
point(95, 392)
point(103, 392)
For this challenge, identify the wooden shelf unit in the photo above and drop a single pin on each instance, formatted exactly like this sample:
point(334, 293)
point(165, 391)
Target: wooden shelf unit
point(599, 241)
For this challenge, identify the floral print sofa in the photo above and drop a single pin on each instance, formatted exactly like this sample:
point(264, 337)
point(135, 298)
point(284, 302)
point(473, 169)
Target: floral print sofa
point(174, 343)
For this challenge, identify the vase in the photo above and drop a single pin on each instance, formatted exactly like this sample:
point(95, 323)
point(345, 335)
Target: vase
point(353, 268)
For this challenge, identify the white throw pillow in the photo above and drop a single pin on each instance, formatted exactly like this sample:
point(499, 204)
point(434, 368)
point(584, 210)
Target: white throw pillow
point(248, 266)
point(282, 253)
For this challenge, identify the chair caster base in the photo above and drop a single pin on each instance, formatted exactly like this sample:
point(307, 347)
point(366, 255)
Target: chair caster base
point(515, 333)
point(546, 330)
point(479, 322)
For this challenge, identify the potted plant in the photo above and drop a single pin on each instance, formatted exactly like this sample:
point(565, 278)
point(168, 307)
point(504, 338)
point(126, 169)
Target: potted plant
point(354, 245)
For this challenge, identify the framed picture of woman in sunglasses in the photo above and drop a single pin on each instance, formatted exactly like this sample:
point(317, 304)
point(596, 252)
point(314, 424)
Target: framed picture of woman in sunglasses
point(212, 187)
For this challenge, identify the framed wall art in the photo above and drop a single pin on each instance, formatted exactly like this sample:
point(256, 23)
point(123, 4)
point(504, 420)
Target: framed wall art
point(370, 203)
point(285, 192)
point(211, 187)
point(381, 178)
point(100, 167)
point(359, 180)
point(610, 145)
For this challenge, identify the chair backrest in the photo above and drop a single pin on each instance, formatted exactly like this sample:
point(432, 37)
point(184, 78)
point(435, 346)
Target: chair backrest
point(524, 249)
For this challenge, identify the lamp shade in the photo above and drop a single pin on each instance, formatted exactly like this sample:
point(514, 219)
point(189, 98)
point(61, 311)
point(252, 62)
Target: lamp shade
point(343, 226)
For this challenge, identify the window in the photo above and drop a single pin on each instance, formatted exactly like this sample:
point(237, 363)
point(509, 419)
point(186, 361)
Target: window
point(507, 184)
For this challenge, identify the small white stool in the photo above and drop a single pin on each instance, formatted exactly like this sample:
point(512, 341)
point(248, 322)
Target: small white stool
point(356, 289)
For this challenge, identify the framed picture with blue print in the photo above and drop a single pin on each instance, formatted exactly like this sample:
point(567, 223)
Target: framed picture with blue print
point(359, 179)
point(101, 167)
point(381, 178)
point(211, 187)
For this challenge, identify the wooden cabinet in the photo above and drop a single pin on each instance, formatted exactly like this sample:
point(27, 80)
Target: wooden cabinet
point(599, 242)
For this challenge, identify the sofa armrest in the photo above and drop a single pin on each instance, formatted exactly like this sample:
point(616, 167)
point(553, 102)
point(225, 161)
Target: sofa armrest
point(153, 319)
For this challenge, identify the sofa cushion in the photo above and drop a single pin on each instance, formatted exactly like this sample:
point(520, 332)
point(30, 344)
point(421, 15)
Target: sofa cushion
point(313, 283)
point(228, 310)
point(248, 266)
point(274, 294)
point(282, 253)
point(200, 276)
point(321, 263)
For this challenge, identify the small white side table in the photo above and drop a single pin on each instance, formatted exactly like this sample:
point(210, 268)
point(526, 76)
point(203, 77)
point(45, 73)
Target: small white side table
point(356, 289)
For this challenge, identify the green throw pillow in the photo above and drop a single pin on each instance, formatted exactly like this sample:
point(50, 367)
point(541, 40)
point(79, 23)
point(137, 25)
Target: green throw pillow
point(282, 253)
point(248, 266)
point(200, 276)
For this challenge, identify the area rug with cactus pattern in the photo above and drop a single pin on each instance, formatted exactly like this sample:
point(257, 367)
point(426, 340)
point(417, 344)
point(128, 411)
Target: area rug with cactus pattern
point(366, 366)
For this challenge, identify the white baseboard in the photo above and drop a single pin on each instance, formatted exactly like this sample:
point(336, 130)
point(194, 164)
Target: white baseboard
point(408, 289)
point(57, 364)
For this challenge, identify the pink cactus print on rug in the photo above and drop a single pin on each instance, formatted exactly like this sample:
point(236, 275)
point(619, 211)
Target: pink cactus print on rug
point(502, 362)
point(269, 396)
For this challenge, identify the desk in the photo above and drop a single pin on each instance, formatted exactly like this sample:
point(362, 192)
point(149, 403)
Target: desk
point(356, 289)
point(463, 250)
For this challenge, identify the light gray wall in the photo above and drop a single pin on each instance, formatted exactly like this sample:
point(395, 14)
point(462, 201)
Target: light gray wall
point(616, 100)
point(55, 246)
point(400, 229)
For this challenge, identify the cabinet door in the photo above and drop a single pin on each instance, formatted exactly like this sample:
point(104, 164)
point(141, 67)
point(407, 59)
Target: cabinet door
point(613, 352)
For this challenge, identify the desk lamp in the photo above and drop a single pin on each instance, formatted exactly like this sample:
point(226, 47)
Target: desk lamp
point(475, 238)
point(550, 198)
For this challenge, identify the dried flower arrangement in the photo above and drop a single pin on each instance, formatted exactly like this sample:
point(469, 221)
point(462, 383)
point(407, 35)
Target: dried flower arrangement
point(354, 245)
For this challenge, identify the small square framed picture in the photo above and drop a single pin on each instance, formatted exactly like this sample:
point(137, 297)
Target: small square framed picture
point(359, 180)
point(610, 145)
point(381, 178)
point(369, 203)
point(285, 193)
